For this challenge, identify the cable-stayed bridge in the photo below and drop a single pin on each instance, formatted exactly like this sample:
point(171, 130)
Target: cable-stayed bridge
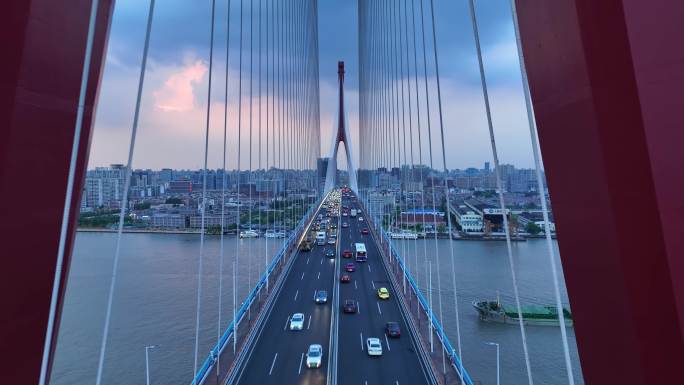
point(589, 72)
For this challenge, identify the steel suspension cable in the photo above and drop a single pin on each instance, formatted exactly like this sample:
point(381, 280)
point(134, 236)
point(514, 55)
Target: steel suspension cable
point(223, 190)
point(446, 192)
point(71, 177)
point(542, 198)
point(236, 262)
point(127, 171)
point(497, 168)
point(204, 192)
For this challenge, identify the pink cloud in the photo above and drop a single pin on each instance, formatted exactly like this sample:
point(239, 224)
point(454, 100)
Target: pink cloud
point(177, 93)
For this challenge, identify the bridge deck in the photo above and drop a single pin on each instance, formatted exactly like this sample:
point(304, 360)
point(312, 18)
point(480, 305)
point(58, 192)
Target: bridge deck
point(278, 355)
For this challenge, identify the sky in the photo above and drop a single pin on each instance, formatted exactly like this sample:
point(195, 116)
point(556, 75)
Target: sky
point(174, 101)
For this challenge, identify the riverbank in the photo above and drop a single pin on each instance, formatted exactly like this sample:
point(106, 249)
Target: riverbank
point(155, 231)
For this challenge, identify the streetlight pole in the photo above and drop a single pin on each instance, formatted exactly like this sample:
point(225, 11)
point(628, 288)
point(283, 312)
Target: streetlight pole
point(147, 361)
point(497, 360)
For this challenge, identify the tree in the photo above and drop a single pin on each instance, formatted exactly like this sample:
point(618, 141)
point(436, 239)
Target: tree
point(441, 228)
point(142, 206)
point(174, 201)
point(532, 228)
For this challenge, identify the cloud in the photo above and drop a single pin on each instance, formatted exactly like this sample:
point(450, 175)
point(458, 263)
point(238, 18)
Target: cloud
point(177, 93)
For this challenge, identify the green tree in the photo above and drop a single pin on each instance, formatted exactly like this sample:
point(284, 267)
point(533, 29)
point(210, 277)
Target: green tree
point(533, 229)
point(174, 201)
point(142, 206)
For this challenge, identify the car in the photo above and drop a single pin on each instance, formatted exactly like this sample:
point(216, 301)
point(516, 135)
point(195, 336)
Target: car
point(373, 346)
point(364, 231)
point(360, 219)
point(331, 241)
point(314, 356)
point(345, 278)
point(297, 321)
point(350, 306)
point(383, 293)
point(305, 246)
point(392, 329)
point(321, 296)
point(350, 267)
point(344, 214)
point(333, 225)
point(347, 254)
point(330, 253)
point(345, 225)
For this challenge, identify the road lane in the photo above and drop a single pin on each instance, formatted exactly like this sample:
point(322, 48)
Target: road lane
point(399, 362)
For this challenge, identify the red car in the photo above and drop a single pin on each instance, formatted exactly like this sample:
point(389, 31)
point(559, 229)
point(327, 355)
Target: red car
point(364, 231)
point(345, 278)
point(350, 267)
point(347, 254)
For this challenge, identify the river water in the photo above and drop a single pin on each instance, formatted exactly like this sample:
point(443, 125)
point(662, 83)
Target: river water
point(155, 303)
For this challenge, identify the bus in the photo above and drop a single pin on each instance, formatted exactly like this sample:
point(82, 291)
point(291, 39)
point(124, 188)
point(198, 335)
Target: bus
point(361, 252)
point(320, 238)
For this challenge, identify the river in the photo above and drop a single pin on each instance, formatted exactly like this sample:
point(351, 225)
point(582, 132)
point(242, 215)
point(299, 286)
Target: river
point(155, 303)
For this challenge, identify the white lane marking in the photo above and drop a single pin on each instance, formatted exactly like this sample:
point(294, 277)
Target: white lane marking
point(387, 343)
point(301, 279)
point(379, 311)
point(315, 291)
point(358, 307)
point(309, 324)
point(355, 287)
point(296, 295)
point(365, 383)
point(369, 269)
point(321, 261)
point(319, 275)
point(273, 364)
point(300, 364)
point(307, 260)
point(287, 320)
point(361, 335)
point(373, 283)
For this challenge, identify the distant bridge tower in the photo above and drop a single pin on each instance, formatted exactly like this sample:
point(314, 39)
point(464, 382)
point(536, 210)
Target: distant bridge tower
point(341, 135)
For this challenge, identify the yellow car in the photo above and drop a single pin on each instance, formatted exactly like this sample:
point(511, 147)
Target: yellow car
point(383, 293)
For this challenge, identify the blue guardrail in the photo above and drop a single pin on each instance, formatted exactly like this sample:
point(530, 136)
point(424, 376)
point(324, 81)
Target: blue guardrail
point(209, 362)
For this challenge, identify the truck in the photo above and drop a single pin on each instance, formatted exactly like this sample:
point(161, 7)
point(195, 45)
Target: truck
point(352, 213)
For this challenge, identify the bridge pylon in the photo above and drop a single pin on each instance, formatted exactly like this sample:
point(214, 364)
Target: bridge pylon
point(341, 135)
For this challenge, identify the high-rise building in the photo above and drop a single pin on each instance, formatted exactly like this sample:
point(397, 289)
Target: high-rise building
point(104, 186)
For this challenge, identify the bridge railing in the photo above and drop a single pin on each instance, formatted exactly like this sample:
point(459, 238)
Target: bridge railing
point(436, 325)
point(215, 352)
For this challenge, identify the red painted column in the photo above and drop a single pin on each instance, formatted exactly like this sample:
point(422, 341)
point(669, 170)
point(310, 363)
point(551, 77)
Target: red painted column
point(607, 80)
point(43, 48)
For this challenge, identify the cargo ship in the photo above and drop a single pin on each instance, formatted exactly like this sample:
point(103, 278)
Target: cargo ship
point(494, 311)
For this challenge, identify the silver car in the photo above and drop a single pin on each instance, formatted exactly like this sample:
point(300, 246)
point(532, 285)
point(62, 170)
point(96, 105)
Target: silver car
point(314, 357)
point(374, 347)
point(297, 321)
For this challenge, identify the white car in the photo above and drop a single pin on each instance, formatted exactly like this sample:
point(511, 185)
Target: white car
point(331, 241)
point(374, 347)
point(360, 219)
point(314, 356)
point(249, 234)
point(297, 321)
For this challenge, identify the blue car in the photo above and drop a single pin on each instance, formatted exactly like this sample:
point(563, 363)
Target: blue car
point(330, 253)
point(321, 296)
